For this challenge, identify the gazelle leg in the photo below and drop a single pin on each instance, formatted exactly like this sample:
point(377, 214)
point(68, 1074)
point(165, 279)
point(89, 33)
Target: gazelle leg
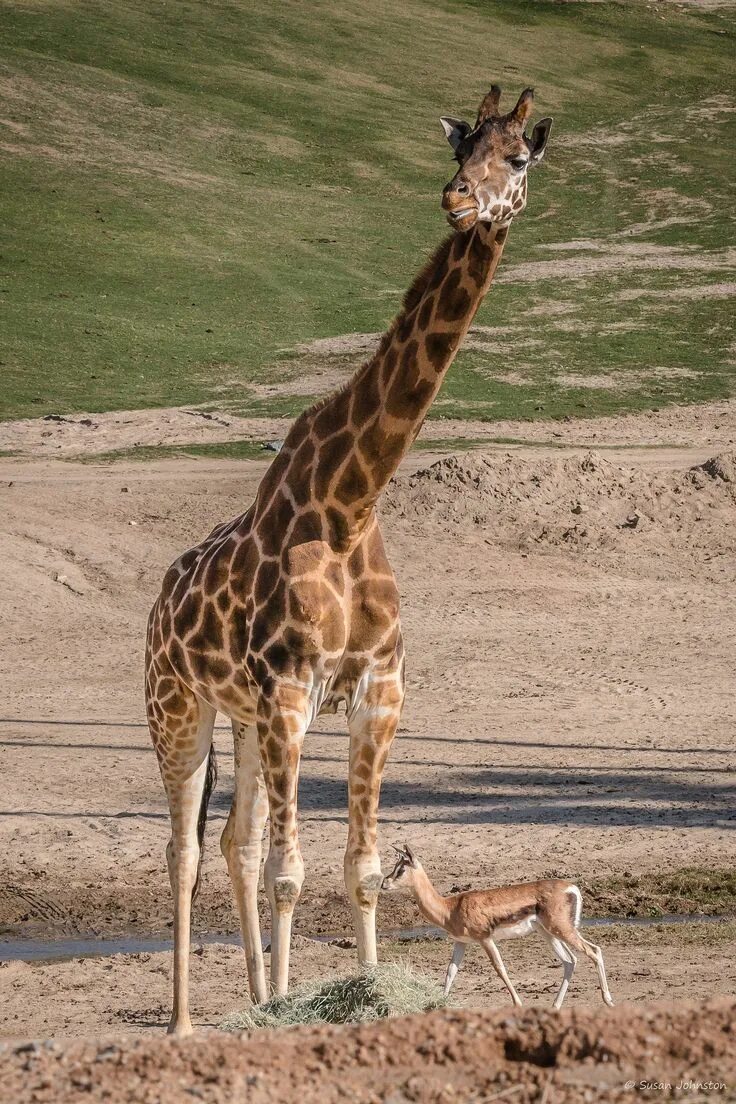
point(241, 844)
point(595, 954)
point(455, 963)
point(569, 962)
point(372, 725)
point(493, 953)
point(282, 723)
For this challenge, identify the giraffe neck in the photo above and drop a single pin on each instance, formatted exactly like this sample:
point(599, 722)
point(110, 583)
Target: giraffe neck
point(363, 431)
point(432, 905)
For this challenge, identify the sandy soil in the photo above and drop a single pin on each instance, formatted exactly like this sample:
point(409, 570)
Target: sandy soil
point(708, 425)
point(656, 1052)
point(570, 634)
point(131, 992)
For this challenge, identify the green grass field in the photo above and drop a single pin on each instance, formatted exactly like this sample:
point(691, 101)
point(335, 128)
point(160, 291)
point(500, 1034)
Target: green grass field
point(191, 189)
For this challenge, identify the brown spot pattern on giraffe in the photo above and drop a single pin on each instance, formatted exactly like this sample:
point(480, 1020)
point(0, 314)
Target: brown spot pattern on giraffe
point(296, 595)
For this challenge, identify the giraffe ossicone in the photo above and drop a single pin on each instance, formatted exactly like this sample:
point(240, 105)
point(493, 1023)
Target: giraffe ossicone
point(292, 608)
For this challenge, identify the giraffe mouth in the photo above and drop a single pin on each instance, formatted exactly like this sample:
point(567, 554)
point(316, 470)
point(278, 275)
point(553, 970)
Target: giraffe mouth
point(463, 215)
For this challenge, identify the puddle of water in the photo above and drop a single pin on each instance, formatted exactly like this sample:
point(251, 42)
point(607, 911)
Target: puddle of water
point(53, 950)
point(39, 950)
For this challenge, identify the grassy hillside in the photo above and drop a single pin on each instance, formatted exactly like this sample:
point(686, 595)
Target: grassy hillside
point(191, 189)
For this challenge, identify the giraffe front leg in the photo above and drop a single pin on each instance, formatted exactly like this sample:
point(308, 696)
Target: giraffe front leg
point(241, 844)
point(282, 723)
point(373, 723)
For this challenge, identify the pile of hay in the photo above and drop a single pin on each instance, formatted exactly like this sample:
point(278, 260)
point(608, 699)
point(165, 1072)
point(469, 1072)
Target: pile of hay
point(393, 989)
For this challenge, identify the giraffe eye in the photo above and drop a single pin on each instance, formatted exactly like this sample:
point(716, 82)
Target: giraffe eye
point(518, 163)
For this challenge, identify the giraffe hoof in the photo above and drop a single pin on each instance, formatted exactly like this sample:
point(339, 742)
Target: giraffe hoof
point(180, 1030)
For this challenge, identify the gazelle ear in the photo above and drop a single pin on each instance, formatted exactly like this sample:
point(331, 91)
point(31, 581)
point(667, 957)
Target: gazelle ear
point(538, 141)
point(455, 130)
point(409, 853)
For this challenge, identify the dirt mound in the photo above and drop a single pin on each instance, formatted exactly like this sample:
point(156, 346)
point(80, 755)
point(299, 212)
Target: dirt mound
point(722, 467)
point(440, 1058)
point(582, 501)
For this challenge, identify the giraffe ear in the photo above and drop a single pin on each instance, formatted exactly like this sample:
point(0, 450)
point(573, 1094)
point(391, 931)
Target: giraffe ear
point(538, 141)
point(456, 130)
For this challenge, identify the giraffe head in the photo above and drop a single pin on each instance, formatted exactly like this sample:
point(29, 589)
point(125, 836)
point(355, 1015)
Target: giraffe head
point(494, 157)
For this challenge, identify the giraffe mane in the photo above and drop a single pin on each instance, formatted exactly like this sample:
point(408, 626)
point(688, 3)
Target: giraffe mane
point(412, 296)
point(417, 289)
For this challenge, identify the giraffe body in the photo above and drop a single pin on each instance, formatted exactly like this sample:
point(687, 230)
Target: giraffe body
point(292, 608)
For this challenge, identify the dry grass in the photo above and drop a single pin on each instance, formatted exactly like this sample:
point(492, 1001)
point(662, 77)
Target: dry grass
point(391, 989)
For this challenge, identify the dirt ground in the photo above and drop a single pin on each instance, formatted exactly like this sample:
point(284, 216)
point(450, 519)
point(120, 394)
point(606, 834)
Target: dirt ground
point(707, 425)
point(130, 993)
point(570, 636)
point(654, 1052)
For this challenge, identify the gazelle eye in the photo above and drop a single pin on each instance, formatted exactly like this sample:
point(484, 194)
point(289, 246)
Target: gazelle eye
point(518, 163)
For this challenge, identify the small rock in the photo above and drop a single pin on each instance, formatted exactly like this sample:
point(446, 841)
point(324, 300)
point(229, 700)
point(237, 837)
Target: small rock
point(272, 446)
point(109, 1051)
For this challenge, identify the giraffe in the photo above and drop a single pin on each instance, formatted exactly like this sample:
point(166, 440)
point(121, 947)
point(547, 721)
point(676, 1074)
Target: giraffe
point(292, 609)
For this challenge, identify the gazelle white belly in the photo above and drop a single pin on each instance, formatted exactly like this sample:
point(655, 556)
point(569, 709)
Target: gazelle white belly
point(514, 931)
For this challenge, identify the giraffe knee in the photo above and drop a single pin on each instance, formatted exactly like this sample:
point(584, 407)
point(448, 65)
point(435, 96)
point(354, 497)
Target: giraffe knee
point(363, 880)
point(366, 890)
point(284, 894)
point(284, 878)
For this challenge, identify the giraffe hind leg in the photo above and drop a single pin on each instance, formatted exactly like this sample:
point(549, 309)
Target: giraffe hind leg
point(241, 844)
point(181, 729)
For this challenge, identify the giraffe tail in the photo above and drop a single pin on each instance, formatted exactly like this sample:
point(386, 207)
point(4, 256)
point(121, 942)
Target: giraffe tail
point(210, 782)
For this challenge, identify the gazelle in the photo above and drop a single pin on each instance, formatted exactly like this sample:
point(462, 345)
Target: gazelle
point(552, 907)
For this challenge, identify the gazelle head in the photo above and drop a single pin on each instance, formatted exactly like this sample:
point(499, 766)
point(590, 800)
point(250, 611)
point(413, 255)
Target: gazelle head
point(494, 157)
point(403, 872)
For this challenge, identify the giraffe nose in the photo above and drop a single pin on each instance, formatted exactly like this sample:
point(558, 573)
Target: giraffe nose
point(454, 193)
